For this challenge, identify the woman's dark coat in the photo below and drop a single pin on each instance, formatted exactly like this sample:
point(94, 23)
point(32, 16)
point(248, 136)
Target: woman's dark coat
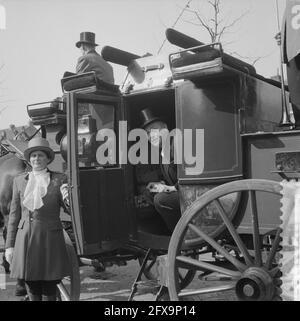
point(37, 237)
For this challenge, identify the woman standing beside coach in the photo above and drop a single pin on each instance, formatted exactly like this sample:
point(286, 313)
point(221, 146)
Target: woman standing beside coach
point(35, 244)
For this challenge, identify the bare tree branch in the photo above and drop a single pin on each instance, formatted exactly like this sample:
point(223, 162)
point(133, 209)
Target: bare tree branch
point(193, 23)
point(256, 60)
point(204, 24)
point(216, 26)
point(228, 43)
point(237, 19)
point(221, 33)
point(197, 16)
point(162, 22)
point(2, 109)
point(253, 60)
point(230, 25)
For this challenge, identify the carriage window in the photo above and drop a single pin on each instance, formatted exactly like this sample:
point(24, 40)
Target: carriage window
point(92, 117)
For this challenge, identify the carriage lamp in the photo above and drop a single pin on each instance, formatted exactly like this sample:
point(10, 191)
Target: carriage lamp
point(87, 130)
point(86, 139)
point(86, 124)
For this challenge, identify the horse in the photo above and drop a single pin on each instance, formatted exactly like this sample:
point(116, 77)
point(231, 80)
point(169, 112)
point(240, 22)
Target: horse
point(10, 167)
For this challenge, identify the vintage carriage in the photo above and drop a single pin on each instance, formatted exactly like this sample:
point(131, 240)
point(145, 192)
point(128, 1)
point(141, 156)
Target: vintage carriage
point(230, 210)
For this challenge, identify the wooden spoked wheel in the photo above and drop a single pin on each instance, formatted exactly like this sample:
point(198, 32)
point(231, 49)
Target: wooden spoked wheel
point(253, 272)
point(69, 287)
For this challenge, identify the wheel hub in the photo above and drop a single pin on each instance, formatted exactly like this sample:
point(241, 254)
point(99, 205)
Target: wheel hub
point(255, 285)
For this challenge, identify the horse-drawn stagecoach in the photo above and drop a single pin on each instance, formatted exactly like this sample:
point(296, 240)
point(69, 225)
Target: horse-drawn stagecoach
point(230, 209)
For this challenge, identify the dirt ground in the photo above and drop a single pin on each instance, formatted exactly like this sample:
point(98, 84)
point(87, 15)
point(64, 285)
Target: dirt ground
point(114, 284)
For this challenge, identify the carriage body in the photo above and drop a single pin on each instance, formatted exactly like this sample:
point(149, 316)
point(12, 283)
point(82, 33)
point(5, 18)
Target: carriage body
point(239, 113)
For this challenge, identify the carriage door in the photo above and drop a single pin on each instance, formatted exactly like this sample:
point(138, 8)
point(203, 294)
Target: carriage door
point(96, 179)
point(212, 107)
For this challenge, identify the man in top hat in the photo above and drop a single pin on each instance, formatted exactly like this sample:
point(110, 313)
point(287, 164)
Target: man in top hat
point(91, 60)
point(166, 199)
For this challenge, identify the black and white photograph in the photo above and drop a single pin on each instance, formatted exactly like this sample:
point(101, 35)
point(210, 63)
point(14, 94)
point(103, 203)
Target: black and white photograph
point(150, 152)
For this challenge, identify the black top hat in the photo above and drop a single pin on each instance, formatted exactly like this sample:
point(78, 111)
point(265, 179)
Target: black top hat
point(86, 37)
point(147, 117)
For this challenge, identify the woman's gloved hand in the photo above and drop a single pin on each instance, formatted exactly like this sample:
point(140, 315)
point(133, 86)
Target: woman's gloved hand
point(9, 254)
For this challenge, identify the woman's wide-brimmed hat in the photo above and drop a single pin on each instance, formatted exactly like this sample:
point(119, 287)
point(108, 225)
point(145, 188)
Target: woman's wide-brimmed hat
point(147, 117)
point(39, 144)
point(86, 37)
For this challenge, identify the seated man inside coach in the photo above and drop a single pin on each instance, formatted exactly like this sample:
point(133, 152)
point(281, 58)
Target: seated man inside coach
point(166, 198)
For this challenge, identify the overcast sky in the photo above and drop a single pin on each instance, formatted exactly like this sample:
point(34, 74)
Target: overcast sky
point(38, 44)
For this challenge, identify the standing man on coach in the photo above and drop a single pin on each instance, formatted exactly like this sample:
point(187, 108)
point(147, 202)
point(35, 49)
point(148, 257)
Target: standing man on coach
point(91, 60)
